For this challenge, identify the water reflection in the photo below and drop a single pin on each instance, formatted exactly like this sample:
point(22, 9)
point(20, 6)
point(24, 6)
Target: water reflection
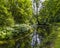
point(35, 40)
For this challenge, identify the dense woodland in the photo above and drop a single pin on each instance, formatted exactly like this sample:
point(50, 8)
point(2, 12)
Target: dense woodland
point(19, 23)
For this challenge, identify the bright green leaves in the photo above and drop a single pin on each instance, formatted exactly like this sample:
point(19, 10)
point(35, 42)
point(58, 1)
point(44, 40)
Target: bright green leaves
point(15, 17)
point(15, 32)
point(17, 11)
point(22, 12)
point(6, 18)
point(5, 33)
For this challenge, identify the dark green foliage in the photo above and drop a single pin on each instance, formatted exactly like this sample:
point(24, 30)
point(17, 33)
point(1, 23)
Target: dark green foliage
point(50, 11)
point(48, 17)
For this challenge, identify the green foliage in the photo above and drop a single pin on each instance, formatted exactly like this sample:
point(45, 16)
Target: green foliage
point(6, 18)
point(17, 12)
point(21, 12)
point(16, 31)
point(48, 17)
point(22, 29)
point(16, 18)
point(50, 11)
point(15, 15)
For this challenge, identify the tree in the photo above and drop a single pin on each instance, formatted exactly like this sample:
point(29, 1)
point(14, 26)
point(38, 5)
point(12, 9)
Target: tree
point(48, 17)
